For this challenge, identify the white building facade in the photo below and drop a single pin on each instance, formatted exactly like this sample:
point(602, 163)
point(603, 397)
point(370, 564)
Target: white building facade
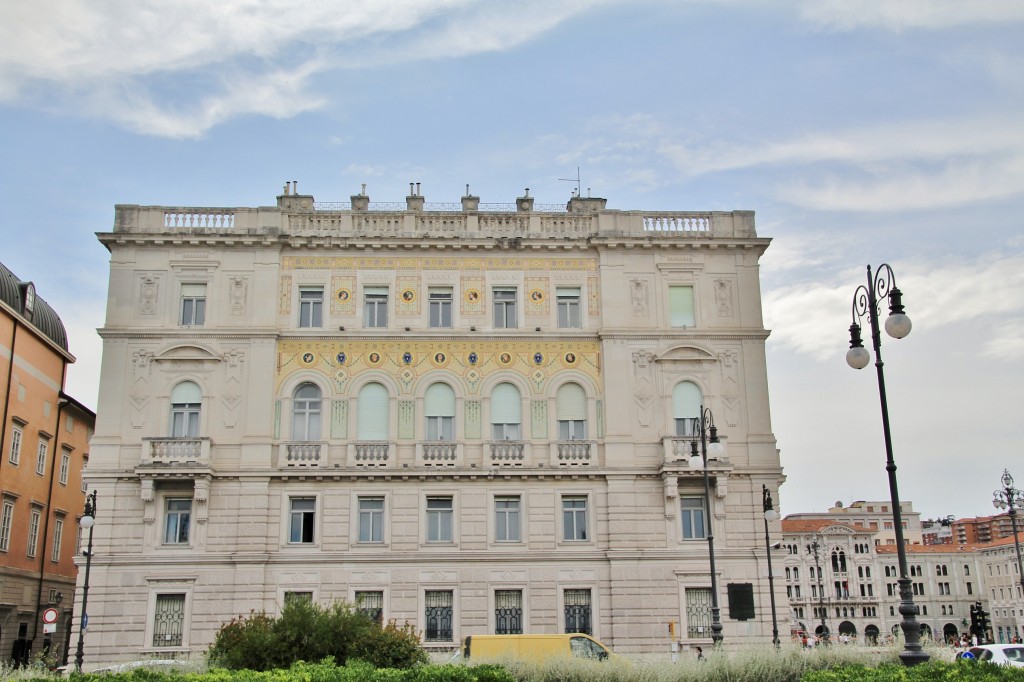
point(473, 418)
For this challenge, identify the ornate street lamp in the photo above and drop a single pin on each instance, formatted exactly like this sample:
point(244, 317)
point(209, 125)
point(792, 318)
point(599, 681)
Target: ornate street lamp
point(705, 431)
point(1012, 498)
point(897, 325)
point(770, 515)
point(813, 549)
point(87, 522)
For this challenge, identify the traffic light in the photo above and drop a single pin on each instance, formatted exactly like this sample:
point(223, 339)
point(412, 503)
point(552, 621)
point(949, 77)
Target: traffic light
point(974, 618)
point(983, 623)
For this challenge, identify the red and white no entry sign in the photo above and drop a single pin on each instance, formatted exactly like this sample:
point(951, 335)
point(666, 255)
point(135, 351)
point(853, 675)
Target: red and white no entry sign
point(50, 616)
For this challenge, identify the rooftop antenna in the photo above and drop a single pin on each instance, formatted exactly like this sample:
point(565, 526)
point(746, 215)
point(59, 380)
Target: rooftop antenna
point(576, 192)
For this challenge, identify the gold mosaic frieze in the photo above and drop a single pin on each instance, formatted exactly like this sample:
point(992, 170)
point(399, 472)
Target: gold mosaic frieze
point(408, 362)
point(456, 264)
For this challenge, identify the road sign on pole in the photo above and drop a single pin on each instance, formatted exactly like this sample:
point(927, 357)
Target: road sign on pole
point(49, 616)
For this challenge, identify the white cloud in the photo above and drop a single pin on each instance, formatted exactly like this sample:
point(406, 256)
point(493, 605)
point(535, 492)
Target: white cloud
point(812, 318)
point(240, 56)
point(901, 15)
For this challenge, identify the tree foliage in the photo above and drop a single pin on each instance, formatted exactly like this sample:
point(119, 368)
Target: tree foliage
point(308, 632)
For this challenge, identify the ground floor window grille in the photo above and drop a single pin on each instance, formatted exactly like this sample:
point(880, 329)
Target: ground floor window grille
point(439, 612)
point(578, 611)
point(169, 620)
point(508, 612)
point(698, 612)
point(372, 604)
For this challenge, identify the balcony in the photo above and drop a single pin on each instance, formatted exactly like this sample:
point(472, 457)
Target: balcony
point(570, 453)
point(506, 453)
point(371, 454)
point(302, 455)
point(441, 453)
point(192, 451)
point(677, 449)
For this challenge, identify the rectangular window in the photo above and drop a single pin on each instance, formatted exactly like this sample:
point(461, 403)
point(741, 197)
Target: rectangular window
point(574, 517)
point(372, 604)
point(6, 521)
point(439, 519)
point(440, 308)
point(375, 307)
point(177, 520)
point(292, 596)
point(694, 518)
point(578, 611)
point(65, 466)
point(505, 431)
point(302, 518)
point(568, 301)
point(58, 537)
point(680, 303)
point(505, 308)
point(572, 429)
point(15, 453)
point(439, 615)
point(440, 428)
point(185, 420)
point(168, 620)
point(193, 305)
point(508, 612)
point(311, 306)
point(506, 519)
point(371, 519)
point(35, 517)
point(41, 452)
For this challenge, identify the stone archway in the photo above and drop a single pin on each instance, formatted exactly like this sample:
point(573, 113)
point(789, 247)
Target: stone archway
point(848, 629)
point(871, 634)
point(950, 632)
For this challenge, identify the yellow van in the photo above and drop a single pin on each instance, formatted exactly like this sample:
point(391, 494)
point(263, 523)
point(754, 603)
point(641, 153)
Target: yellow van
point(534, 648)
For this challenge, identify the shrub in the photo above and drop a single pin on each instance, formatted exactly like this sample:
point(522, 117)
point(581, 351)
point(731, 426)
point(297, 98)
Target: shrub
point(308, 632)
point(926, 672)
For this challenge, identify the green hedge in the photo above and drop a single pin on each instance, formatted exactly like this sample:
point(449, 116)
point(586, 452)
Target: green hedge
point(960, 671)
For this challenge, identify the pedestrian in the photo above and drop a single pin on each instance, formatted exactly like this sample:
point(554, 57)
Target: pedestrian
point(700, 654)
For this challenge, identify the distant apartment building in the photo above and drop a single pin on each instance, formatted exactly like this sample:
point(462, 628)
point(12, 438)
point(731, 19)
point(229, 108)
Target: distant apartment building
point(475, 418)
point(45, 444)
point(982, 529)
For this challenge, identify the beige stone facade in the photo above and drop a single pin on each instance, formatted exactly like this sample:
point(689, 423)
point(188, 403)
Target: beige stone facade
point(470, 418)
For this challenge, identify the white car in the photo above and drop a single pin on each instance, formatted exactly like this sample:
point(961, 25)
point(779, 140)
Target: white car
point(1004, 654)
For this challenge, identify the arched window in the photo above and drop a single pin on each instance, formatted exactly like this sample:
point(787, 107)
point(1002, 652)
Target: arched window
point(186, 405)
point(439, 408)
point(372, 412)
point(506, 413)
point(571, 411)
point(306, 411)
point(686, 402)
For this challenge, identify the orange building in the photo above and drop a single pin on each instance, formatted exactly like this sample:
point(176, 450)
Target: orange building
point(45, 445)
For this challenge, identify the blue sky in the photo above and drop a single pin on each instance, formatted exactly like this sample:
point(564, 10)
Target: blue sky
point(860, 132)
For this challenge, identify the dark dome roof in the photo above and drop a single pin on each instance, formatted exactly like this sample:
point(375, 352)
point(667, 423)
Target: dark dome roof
point(43, 318)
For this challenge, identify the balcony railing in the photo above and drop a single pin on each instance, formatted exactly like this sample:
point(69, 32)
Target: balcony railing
point(302, 454)
point(193, 451)
point(371, 453)
point(575, 453)
point(507, 453)
point(442, 453)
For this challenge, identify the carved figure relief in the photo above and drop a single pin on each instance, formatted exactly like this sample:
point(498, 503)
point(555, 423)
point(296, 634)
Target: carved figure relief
point(728, 362)
point(238, 286)
point(638, 297)
point(644, 391)
point(149, 289)
point(723, 297)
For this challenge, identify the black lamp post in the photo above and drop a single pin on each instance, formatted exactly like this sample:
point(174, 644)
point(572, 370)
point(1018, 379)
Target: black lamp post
point(1012, 498)
point(813, 549)
point(87, 522)
point(705, 425)
point(897, 325)
point(770, 515)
